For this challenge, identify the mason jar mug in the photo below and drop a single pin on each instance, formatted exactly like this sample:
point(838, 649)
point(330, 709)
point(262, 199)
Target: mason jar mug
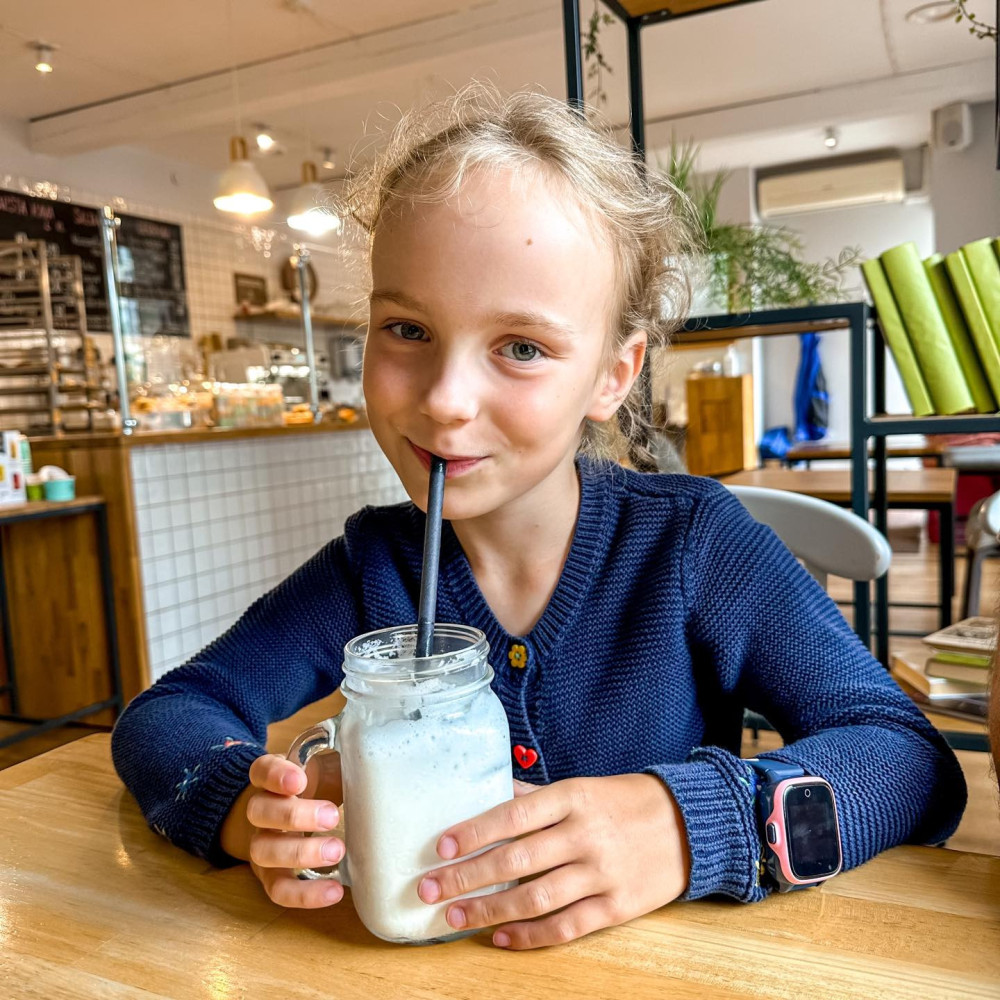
point(424, 744)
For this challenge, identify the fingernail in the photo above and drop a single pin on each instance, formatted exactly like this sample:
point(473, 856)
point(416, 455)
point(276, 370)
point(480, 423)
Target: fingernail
point(501, 940)
point(327, 817)
point(332, 849)
point(456, 917)
point(291, 781)
point(429, 890)
point(448, 848)
point(334, 894)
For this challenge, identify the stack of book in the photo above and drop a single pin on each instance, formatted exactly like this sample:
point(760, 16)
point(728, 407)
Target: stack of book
point(941, 320)
point(953, 676)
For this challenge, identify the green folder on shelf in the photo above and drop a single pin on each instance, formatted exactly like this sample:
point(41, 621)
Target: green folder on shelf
point(985, 270)
point(895, 336)
point(972, 309)
point(965, 349)
point(925, 327)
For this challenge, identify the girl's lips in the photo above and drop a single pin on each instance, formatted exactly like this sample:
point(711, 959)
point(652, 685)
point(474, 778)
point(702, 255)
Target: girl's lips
point(456, 466)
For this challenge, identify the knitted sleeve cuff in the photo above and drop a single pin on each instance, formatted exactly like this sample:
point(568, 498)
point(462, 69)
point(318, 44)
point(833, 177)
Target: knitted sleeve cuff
point(714, 793)
point(197, 827)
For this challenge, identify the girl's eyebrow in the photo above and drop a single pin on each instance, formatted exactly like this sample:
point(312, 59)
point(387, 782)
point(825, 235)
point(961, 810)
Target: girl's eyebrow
point(535, 320)
point(400, 298)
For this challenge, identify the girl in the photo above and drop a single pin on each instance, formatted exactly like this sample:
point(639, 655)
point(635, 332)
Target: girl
point(520, 271)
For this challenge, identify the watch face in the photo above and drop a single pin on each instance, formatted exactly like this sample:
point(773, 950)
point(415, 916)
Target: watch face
point(811, 830)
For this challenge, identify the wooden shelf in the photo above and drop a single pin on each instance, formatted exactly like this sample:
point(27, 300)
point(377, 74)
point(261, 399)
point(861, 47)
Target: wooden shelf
point(291, 316)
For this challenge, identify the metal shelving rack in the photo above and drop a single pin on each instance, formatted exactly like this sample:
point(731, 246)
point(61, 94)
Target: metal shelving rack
point(42, 321)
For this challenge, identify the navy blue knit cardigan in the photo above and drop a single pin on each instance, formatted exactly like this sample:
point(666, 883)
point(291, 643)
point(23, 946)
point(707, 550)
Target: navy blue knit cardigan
point(674, 611)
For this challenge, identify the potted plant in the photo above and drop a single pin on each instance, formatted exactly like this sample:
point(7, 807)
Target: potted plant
point(750, 266)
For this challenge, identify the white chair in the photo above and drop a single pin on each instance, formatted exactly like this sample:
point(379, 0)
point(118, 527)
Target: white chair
point(826, 539)
point(981, 531)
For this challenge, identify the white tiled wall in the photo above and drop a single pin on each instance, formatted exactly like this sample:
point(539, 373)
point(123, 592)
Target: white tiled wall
point(220, 523)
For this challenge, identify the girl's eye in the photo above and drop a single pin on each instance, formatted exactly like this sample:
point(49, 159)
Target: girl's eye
point(406, 331)
point(520, 350)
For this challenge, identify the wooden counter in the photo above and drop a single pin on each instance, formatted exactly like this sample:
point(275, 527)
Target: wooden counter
point(106, 464)
point(103, 439)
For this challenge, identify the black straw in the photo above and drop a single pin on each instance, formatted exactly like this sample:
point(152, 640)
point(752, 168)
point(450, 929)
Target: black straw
point(432, 554)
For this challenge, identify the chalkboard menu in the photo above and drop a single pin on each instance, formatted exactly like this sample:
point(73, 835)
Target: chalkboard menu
point(150, 260)
point(151, 274)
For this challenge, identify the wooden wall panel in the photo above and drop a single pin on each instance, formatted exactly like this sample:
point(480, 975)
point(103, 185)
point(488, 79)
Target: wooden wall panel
point(720, 434)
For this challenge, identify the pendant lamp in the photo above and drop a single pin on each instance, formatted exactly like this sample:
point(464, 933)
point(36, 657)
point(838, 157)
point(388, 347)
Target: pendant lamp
point(307, 212)
point(242, 189)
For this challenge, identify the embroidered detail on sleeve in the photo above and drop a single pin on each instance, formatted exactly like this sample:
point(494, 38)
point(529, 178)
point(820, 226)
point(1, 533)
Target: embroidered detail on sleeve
point(182, 786)
point(230, 742)
point(518, 656)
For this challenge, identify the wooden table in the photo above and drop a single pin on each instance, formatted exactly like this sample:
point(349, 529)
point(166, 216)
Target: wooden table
point(826, 451)
point(93, 904)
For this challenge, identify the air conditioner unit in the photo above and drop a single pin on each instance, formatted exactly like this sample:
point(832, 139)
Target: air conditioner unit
point(868, 182)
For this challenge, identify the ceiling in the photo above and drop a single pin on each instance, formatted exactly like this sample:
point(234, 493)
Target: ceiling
point(755, 83)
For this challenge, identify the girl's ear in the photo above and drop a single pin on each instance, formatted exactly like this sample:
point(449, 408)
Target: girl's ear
point(617, 381)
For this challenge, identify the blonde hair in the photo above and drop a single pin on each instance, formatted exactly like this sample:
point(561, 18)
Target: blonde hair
point(645, 220)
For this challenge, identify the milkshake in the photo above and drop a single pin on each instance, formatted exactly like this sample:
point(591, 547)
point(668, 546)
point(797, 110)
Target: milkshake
point(424, 744)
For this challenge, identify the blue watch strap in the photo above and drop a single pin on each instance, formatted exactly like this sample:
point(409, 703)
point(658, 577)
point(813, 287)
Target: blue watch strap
point(773, 771)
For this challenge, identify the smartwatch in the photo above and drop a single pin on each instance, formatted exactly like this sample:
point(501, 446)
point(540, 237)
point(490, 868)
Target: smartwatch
point(799, 833)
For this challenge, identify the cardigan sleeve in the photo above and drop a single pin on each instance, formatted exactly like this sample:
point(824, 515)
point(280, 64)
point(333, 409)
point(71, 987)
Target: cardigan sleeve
point(185, 745)
point(779, 646)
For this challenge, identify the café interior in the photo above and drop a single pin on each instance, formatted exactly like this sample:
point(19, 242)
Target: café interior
point(183, 314)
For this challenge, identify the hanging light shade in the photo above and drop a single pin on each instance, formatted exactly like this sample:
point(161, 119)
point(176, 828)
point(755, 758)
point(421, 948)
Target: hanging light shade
point(242, 189)
point(307, 212)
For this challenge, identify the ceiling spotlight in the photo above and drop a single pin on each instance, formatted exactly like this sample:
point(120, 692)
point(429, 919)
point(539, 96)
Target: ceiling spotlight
point(328, 161)
point(265, 141)
point(43, 57)
point(830, 138)
point(931, 13)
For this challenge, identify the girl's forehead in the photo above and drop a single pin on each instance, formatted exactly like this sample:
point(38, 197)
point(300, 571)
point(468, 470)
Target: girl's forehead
point(492, 197)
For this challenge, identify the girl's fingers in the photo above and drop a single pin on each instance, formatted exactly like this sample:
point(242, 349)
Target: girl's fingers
point(504, 863)
point(580, 918)
point(523, 814)
point(277, 774)
point(285, 889)
point(552, 891)
point(268, 811)
point(269, 849)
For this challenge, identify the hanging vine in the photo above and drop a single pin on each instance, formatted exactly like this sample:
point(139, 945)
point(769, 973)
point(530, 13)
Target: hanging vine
point(976, 27)
point(593, 55)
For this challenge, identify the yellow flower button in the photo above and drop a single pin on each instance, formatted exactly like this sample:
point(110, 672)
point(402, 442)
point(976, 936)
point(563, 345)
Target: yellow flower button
point(518, 656)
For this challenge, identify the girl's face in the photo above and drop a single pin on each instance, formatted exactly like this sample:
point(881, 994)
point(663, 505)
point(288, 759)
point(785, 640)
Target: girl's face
point(487, 341)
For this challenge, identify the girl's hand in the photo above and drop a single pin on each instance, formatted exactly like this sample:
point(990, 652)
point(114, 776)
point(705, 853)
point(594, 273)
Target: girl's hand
point(605, 850)
point(274, 819)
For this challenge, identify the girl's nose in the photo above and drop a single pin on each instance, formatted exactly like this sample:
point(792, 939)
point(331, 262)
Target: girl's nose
point(450, 393)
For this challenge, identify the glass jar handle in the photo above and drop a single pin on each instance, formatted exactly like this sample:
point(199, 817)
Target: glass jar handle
point(322, 738)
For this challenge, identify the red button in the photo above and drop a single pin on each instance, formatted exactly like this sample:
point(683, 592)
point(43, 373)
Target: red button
point(525, 756)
